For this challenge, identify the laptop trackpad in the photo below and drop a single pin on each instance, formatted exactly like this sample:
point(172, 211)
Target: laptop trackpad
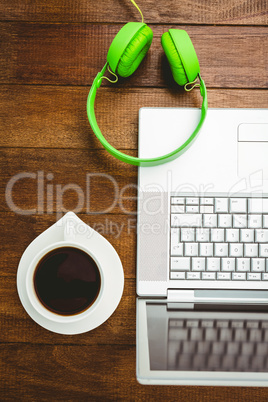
point(252, 149)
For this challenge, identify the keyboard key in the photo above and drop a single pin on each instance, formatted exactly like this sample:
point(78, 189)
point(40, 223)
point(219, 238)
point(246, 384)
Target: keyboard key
point(243, 264)
point(210, 276)
point(198, 264)
point(221, 205)
point(224, 276)
point(208, 323)
point(191, 249)
point(265, 221)
point(255, 335)
point(240, 335)
point(222, 324)
point(192, 201)
point(213, 264)
point(250, 250)
point(202, 235)
point(228, 362)
point(217, 235)
point(236, 250)
point(214, 362)
point(218, 348)
point(239, 276)
point(196, 334)
point(188, 347)
point(206, 201)
point(224, 221)
point(186, 220)
point(258, 363)
point(247, 235)
point(258, 205)
point(243, 362)
point(203, 348)
point(226, 334)
point(206, 249)
point(263, 250)
point(237, 324)
point(180, 264)
point(175, 245)
point(238, 205)
point(227, 264)
point(178, 334)
point(192, 209)
point(177, 250)
point(257, 265)
point(193, 275)
point(265, 277)
point(247, 348)
point(177, 209)
point(177, 275)
point(232, 235)
point(199, 361)
point(262, 349)
point(176, 323)
point(192, 323)
point(239, 221)
point(187, 234)
point(209, 220)
point(206, 209)
point(211, 334)
point(177, 200)
point(261, 235)
point(221, 249)
point(253, 276)
point(254, 221)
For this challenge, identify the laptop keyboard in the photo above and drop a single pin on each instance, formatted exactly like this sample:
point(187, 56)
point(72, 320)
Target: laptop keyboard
point(218, 345)
point(219, 238)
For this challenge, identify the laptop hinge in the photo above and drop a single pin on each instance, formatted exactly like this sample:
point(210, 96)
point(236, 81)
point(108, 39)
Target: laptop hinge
point(217, 296)
point(180, 295)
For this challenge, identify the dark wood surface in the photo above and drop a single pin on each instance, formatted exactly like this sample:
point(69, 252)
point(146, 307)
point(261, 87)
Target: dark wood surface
point(50, 54)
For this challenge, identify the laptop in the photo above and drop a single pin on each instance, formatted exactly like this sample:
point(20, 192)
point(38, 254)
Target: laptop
point(202, 249)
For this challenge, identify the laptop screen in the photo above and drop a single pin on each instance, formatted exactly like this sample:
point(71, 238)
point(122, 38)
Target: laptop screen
point(234, 339)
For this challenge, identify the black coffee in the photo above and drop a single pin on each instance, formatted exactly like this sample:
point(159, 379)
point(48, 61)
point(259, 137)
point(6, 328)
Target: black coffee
point(67, 281)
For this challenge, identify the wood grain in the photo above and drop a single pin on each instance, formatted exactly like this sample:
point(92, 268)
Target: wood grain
point(74, 176)
point(79, 371)
point(72, 54)
point(53, 117)
point(50, 54)
point(119, 229)
point(190, 12)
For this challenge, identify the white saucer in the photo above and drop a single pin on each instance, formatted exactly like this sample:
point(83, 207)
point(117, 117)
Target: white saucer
point(72, 229)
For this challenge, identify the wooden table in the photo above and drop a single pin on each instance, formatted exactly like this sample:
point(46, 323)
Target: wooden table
point(51, 51)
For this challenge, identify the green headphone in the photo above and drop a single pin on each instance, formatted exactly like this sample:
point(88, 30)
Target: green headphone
point(125, 55)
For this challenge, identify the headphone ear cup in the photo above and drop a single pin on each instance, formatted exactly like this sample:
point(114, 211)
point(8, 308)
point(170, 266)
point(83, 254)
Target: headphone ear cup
point(129, 47)
point(181, 56)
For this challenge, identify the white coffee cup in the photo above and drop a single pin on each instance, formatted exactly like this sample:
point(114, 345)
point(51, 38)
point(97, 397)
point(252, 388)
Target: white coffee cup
point(71, 232)
point(33, 297)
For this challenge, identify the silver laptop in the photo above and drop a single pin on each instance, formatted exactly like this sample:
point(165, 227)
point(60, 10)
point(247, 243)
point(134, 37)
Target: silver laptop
point(202, 249)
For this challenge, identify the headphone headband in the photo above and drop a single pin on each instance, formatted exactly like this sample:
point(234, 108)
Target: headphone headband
point(132, 159)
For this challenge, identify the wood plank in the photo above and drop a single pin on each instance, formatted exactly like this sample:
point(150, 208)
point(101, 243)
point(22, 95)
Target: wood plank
point(53, 117)
point(79, 180)
point(86, 373)
point(17, 326)
point(252, 12)
point(119, 230)
point(71, 54)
